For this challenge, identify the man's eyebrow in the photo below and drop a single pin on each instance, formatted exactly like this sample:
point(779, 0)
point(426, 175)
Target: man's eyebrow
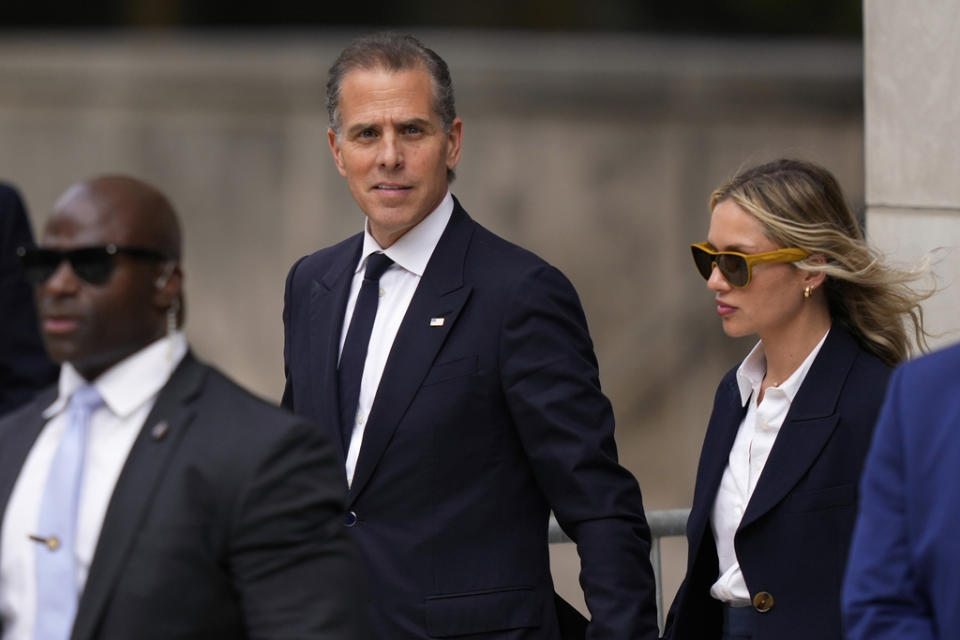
point(423, 123)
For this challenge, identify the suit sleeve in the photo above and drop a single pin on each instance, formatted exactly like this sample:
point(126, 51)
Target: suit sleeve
point(24, 365)
point(297, 573)
point(288, 338)
point(882, 596)
point(566, 424)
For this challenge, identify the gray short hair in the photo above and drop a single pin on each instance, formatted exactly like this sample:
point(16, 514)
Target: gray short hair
point(393, 52)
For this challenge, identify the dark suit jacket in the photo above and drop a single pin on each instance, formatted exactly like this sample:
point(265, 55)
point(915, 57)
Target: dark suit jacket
point(792, 542)
point(24, 366)
point(902, 577)
point(225, 526)
point(479, 427)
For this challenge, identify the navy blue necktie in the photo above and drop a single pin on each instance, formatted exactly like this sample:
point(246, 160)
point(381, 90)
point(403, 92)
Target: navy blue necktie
point(354, 353)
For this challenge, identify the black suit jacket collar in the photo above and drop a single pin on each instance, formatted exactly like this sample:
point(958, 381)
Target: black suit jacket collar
point(441, 293)
point(153, 449)
point(18, 431)
point(806, 429)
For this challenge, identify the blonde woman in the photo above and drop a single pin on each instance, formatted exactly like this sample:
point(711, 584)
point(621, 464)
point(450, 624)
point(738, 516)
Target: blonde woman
point(776, 490)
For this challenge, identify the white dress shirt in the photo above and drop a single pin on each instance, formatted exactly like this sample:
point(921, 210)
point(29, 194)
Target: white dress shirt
point(129, 390)
point(410, 255)
point(755, 437)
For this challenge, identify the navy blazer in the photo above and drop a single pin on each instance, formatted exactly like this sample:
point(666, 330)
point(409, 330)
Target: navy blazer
point(902, 579)
point(224, 522)
point(25, 368)
point(480, 426)
point(793, 539)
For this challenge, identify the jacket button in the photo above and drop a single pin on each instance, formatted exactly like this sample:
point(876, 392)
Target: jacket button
point(350, 519)
point(763, 602)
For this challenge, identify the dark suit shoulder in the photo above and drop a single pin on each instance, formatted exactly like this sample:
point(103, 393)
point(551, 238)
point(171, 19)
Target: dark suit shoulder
point(316, 264)
point(507, 254)
point(28, 411)
point(234, 436)
point(224, 397)
point(867, 377)
point(510, 272)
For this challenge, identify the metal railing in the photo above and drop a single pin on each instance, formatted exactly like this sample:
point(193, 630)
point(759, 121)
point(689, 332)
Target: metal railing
point(663, 524)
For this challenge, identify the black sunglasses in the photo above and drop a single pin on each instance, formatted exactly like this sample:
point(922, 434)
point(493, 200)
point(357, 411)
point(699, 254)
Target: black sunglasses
point(91, 264)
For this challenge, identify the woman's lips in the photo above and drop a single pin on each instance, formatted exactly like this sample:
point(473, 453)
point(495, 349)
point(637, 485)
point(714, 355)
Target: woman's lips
point(724, 309)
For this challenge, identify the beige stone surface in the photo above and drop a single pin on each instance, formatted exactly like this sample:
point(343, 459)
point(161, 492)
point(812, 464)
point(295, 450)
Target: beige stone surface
point(912, 102)
point(912, 107)
point(909, 237)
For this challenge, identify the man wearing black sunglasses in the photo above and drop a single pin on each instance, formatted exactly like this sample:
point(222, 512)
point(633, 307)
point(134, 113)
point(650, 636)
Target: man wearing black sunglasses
point(147, 496)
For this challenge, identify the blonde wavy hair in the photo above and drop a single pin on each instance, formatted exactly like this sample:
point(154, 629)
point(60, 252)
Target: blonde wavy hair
point(801, 205)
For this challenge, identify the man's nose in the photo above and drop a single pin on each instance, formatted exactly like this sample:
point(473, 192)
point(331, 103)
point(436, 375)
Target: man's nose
point(63, 280)
point(391, 152)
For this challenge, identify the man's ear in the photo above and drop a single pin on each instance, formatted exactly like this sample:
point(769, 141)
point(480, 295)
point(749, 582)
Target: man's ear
point(334, 142)
point(454, 143)
point(169, 285)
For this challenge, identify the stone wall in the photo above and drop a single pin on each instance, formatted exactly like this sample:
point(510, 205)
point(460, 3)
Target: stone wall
point(596, 152)
point(912, 107)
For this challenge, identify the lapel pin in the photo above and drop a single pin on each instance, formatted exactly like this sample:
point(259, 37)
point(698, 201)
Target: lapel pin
point(436, 322)
point(159, 430)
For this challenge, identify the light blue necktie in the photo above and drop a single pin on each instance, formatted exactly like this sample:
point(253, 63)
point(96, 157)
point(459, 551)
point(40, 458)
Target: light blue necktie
point(57, 593)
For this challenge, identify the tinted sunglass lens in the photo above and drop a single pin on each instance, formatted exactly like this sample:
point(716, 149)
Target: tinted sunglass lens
point(704, 262)
point(92, 265)
point(734, 269)
point(39, 264)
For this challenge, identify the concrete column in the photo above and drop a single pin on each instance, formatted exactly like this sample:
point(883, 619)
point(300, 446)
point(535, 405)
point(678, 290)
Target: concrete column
point(912, 121)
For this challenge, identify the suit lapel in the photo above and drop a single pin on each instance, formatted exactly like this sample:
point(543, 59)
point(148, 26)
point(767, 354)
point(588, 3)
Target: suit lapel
point(721, 432)
point(21, 429)
point(328, 301)
point(808, 426)
point(440, 294)
point(152, 451)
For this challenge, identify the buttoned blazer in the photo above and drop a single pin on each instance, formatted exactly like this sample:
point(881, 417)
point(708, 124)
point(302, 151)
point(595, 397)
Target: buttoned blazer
point(904, 562)
point(488, 413)
point(224, 522)
point(793, 540)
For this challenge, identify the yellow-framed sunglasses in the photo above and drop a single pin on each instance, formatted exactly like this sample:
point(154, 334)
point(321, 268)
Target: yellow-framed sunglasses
point(736, 267)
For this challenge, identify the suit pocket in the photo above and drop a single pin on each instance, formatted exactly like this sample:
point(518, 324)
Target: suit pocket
point(452, 369)
point(483, 612)
point(844, 495)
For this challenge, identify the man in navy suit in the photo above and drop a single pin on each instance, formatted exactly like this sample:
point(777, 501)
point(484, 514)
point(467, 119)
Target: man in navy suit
point(24, 365)
point(902, 577)
point(471, 404)
point(173, 504)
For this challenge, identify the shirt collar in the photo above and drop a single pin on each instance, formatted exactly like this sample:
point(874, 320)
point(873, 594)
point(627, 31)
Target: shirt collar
point(754, 367)
point(414, 248)
point(131, 382)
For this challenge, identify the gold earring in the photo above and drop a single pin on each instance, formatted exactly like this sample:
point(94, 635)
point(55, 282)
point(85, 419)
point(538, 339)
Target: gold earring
point(806, 292)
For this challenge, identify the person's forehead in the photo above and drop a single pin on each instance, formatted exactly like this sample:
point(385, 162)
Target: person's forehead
point(83, 219)
point(380, 89)
point(733, 228)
